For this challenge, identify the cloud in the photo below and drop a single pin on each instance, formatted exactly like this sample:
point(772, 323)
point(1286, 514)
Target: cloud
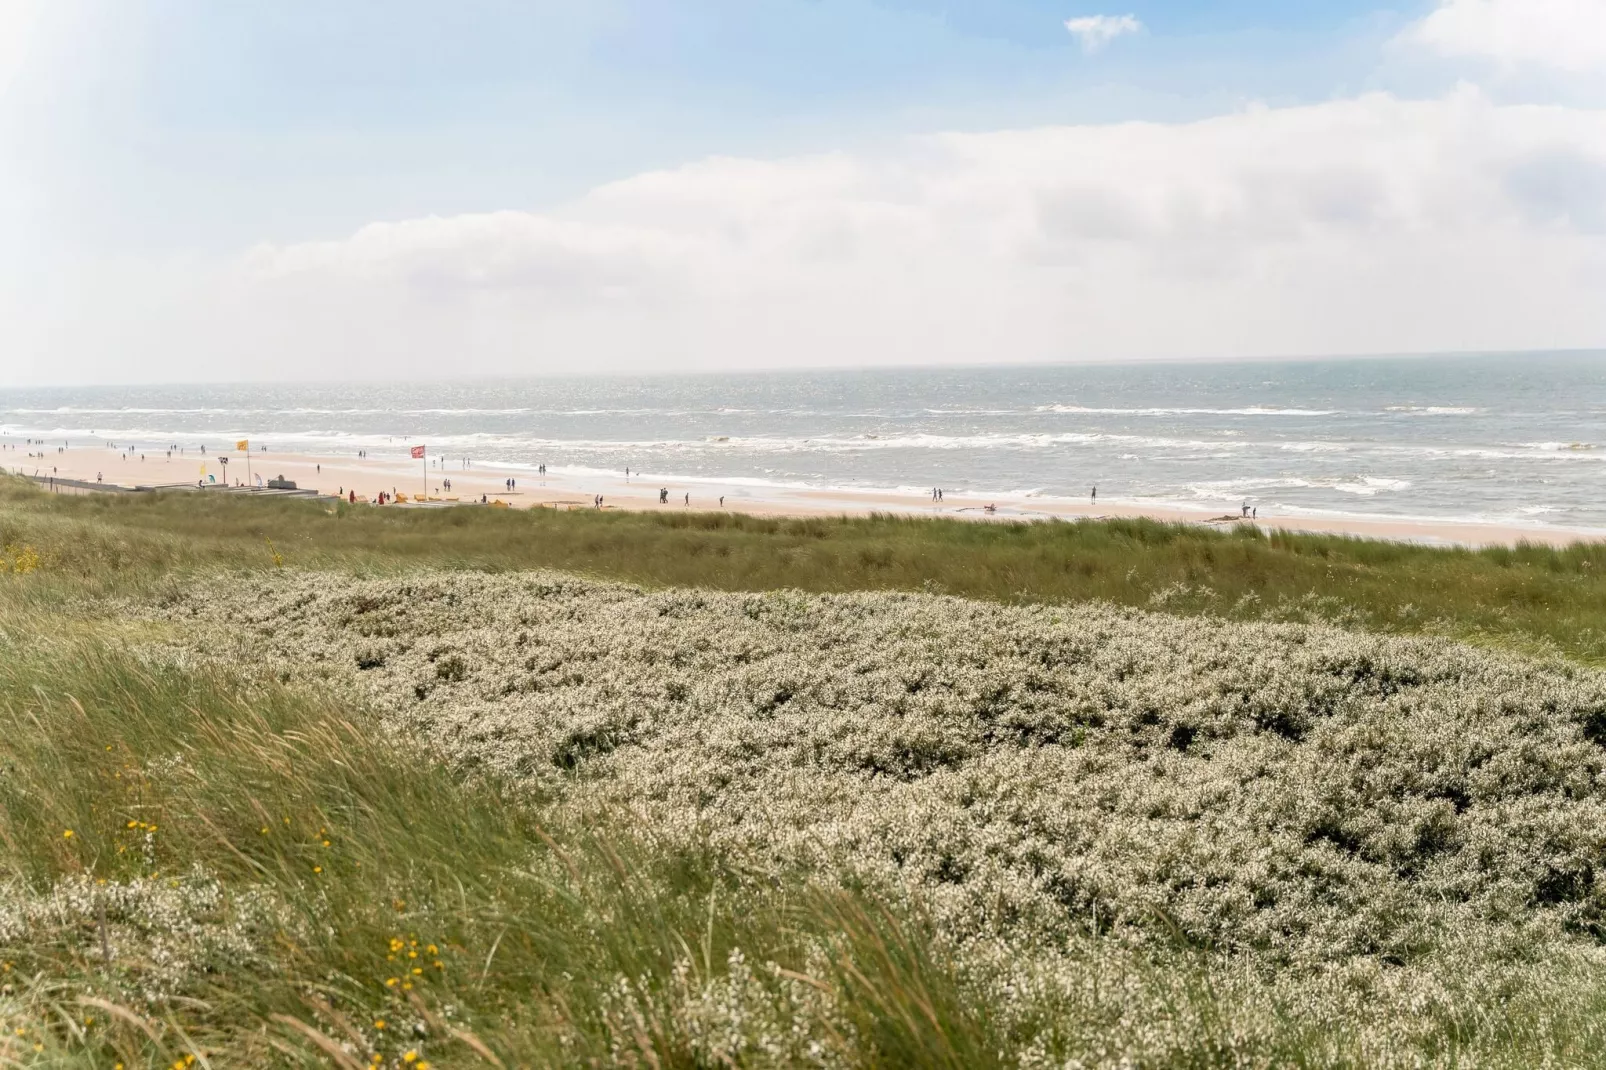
point(1367, 225)
point(1097, 31)
point(1566, 35)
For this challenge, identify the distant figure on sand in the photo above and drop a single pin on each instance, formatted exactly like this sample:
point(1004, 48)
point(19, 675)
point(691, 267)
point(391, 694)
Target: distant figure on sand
point(1095, 498)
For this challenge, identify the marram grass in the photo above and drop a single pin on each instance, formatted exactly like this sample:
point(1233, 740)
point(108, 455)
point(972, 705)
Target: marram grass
point(612, 826)
point(1530, 598)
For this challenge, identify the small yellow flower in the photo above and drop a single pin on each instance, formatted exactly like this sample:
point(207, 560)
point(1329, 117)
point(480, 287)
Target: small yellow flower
point(264, 830)
point(89, 1021)
point(412, 954)
point(417, 970)
point(66, 834)
point(423, 1064)
point(395, 943)
point(433, 950)
point(392, 982)
point(410, 1056)
point(379, 1023)
point(317, 869)
point(132, 824)
point(407, 986)
point(21, 1031)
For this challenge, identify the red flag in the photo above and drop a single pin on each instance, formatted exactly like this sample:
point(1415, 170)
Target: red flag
point(418, 453)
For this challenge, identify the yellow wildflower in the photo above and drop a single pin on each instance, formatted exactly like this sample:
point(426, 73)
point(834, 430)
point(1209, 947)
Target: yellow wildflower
point(410, 1056)
point(66, 834)
point(317, 869)
point(379, 1023)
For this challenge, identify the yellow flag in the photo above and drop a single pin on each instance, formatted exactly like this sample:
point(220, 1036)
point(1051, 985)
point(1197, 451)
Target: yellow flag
point(243, 444)
point(203, 469)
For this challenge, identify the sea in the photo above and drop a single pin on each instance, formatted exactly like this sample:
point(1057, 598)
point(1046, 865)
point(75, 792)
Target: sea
point(1516, 439)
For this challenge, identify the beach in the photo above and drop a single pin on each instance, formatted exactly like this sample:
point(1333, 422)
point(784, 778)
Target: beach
point(334, 475)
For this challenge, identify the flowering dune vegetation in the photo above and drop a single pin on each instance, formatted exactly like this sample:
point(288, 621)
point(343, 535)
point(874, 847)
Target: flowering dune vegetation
point(1385, 837)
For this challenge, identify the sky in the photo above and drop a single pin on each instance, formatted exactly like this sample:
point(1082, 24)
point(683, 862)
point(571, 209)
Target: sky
point(364, 189)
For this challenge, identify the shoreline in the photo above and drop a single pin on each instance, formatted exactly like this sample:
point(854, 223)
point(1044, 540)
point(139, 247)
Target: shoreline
point(331, 475)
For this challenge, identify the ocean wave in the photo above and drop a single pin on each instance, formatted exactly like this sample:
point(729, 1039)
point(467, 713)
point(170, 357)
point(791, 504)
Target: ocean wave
point(1436, 410)
point(1313, 447)
point(1251, 410)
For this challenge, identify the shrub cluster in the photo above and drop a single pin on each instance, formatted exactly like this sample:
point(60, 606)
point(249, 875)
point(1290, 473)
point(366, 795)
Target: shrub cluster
point(1300, 794)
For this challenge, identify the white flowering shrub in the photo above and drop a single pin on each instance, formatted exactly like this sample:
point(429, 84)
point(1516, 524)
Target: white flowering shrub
point(165, 935)
point(1033, 774)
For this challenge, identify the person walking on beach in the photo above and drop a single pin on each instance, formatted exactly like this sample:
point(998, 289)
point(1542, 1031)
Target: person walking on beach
point(722, 501)
point(1095, 498)
point(688, 497)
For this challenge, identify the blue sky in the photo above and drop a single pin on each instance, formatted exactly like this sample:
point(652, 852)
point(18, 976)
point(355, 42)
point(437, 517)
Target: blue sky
point(230, 119)
point(148, 147)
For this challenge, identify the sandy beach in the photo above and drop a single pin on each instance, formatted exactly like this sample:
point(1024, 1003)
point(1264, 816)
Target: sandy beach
point(401, 475)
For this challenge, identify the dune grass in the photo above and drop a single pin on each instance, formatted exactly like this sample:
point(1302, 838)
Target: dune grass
point(200, 868)
point(198, 871)
point(1531, 598)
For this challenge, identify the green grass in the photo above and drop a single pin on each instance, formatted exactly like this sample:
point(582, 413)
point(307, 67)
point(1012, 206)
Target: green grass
point(196, 914)
point(553, 946)
point(1531, 598)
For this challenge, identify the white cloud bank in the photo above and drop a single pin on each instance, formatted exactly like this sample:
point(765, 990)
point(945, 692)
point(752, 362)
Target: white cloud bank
point(1097, 31)
point(1568, 35)
point(1365, 225)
